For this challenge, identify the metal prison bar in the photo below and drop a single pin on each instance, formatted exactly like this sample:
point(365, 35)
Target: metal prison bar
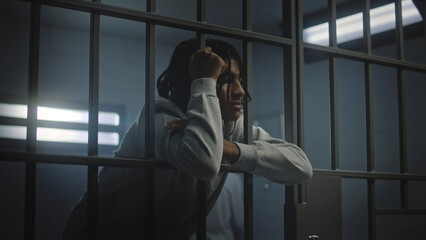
point(201, 185)
point(293, 49)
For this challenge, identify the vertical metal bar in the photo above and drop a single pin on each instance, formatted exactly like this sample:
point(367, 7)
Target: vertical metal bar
point(201, 17)
point(290, 227)
point(33, 77)
point(248, 206)
point(150, 83)
point(369, 123)
point(368, 89)
point(371, 186)
point(201, 210)
point(201, 10)
point(366, 26)
point(401, 104)
point(290, 72)
point(293, 77)
point(300, 75)
point(247, 58)
point(334, 114)
point(292, 80)
point(150, 118)
point(248, 178)
point(201, 185)
point(92, 178)
point(332, 23)
point(399, 30)
point(334, 125)
point(30, 166)
point(300, 126)
point(247, 23)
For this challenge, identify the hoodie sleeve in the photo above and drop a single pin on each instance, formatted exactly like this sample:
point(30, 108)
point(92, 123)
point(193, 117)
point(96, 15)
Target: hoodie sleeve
point(197, 150)
point(275, 159)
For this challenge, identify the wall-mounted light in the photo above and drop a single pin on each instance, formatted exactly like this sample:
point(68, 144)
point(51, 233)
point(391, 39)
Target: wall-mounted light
point(351, 27)
point(58, 115)
point(58, 135)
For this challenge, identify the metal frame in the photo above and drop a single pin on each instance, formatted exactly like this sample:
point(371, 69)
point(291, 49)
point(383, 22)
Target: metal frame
point(293, 51)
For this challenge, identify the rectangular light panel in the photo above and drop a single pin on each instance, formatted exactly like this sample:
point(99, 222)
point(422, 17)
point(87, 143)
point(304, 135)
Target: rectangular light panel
point(58, 135)
point(58, 115)
point(351, 27)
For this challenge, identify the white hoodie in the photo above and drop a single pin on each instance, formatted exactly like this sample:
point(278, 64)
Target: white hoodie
point(195, 152)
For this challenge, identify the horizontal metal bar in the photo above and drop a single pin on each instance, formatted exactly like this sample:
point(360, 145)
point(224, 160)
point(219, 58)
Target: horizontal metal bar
point(83, 160)
point(91, 160)
point(359, 56)
point(401, 211)
point(154, 18)
point(151, 163)
point(372, 175)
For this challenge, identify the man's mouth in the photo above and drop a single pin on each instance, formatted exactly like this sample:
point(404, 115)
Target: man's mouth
point(237, 106)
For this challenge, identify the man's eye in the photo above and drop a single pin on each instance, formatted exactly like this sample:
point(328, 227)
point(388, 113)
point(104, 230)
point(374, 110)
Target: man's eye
point(227, 79)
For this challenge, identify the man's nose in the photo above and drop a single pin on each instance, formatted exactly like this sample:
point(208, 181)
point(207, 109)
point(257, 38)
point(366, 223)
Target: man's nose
point(237, 90)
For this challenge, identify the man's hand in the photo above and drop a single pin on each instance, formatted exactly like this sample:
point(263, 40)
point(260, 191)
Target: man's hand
point(177, 124)
point(231, 152)
point(205, 63)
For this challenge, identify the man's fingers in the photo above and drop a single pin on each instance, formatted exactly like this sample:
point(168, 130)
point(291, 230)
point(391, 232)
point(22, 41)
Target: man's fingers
point(206, 63)
point(176, 124)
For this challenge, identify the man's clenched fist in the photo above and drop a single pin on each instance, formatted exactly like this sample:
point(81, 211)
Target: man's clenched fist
point(205, 63)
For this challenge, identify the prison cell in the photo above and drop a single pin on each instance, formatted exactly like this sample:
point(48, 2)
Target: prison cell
point(294, 50)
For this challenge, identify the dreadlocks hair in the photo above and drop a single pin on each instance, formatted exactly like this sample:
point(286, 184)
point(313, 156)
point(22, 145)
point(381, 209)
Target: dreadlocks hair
point(175, 82)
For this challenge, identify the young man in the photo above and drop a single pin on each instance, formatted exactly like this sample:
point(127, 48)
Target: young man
point(198, 125)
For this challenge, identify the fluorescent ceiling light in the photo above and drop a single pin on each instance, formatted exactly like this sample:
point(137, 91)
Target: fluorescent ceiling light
point(351, 27)
point(58, 114)
point(58, 135)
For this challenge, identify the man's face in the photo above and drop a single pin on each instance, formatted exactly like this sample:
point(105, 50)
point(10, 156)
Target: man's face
point(230, 110)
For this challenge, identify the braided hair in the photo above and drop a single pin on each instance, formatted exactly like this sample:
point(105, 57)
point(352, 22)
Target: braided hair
point(175, 82)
